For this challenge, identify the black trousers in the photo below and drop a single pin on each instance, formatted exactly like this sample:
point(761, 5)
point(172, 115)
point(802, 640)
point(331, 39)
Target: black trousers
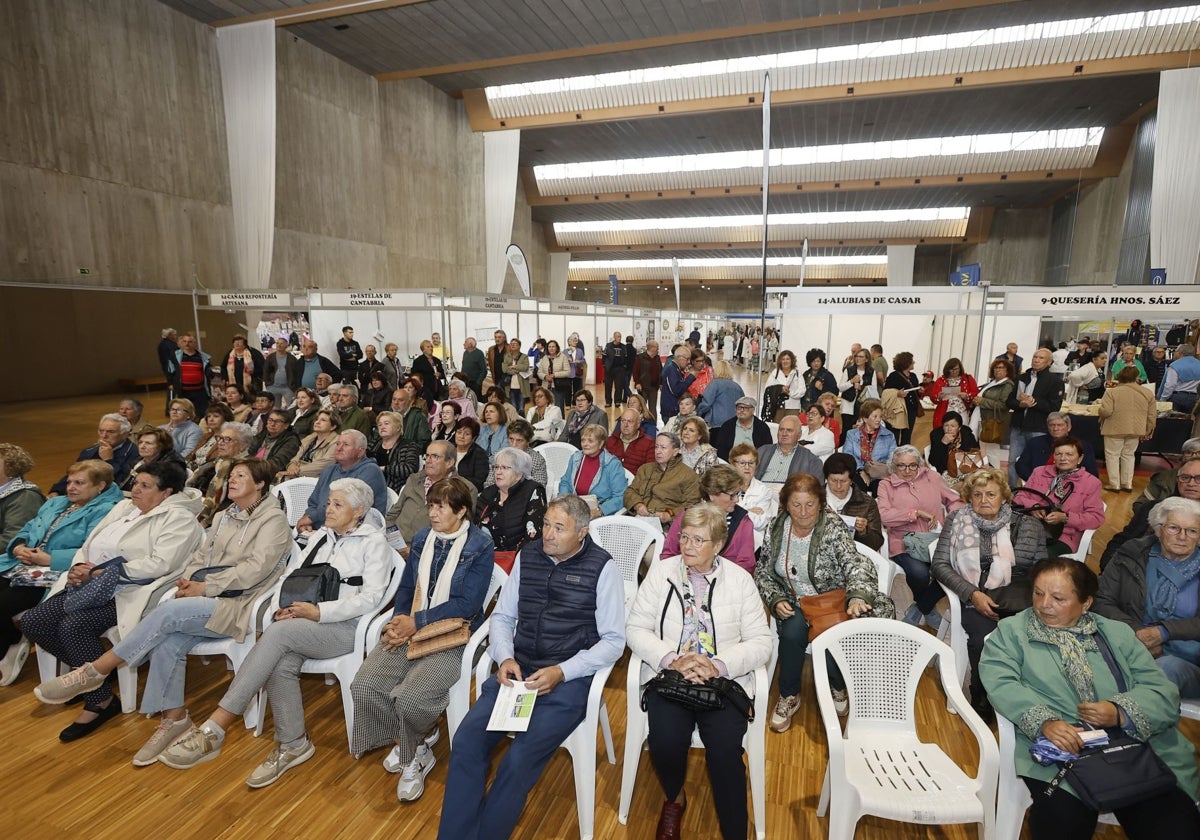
point(14, 600)
point(670, 738)
point(977, 626)
point(72, 637)
point(1062, 816)
point(616, 379)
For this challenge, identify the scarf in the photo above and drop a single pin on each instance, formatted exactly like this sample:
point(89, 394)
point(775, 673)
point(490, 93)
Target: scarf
point(1164, 581)
point(247, 365)
point(866, 444)
point(972, 536)
point(441, 590)
point(1060, 488)
point(577, 421)
point(1073, 644)
point(698, 635)
point(16, 484)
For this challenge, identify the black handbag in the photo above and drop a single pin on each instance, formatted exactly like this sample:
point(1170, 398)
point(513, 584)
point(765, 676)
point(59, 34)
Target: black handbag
point(314, 583)
point(708, 696)
point(1124, 772)
point(99, 589)
point(203, 572)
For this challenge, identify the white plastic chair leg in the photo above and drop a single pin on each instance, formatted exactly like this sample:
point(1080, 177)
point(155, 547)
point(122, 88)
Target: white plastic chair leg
point(756, 742)
point(47, 665)
point(823, 803)
point(606, 731)
point(581, 744)
point(635, 737)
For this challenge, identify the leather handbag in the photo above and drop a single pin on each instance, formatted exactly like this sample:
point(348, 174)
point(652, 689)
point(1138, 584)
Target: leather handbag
point(436, 636)
point(708, 696)
point(101, 587)
point(823, 611)
point(314, 583)
point(991, 430)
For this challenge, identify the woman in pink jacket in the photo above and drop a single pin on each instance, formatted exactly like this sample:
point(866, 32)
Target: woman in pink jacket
point(914, 498)
point(1075, 492)
point(721, 485)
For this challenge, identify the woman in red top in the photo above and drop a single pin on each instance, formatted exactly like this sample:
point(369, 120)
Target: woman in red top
point(954, 390)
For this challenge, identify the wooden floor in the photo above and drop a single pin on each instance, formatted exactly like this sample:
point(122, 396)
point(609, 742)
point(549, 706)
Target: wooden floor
point(90, 788)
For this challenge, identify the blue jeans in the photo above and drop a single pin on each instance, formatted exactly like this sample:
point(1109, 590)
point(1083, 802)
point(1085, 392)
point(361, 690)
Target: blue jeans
point(1017, 441)
point(165, 637)
point(467, 811)
point(518, 400)
point(1184, 674)
point(793, 644)
point(926, 591)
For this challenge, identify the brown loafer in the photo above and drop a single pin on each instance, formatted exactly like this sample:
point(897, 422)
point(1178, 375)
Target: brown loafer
point(669, 821)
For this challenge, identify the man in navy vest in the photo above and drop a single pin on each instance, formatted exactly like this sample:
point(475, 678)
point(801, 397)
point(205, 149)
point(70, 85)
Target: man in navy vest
point(560, 619)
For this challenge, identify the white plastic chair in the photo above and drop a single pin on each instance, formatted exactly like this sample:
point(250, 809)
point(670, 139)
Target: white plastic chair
point(879, 766)
point(627, 538)
point(393, 497)
point(754, 742)
point(774, 431)
point(1190, 709)
point(49, 667)
point(344, 667)
point(294, 493)
point(557, 456)
point(1085, 542)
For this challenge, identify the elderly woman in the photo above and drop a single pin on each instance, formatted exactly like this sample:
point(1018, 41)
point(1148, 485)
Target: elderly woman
point(1075, 493)
point(728, 638)
point(1045, 669)
point(19, 499)
point(810, 552)
point(447, 419)
point(594, 471)
point(954, 390)
point(240, 557)
point(756, 498)
point(307, 405)
point(154, 533)
point(702, 369)
point(904, 380)
point(316, 450)
point(235, 398)
point(949, 445)
point(185, 432)
point(397, 700)
point(585, 413)
point(243, 366)
point(664, 486)
point(914, 499)
point(857, 386)
point(555, 372)
point(1151, 584)
point(1128, 414)
point(687, 408)
point(520, 436)
point(277, 443)
point(217, 415)
point(818, 379)
point(983, 558)
point(396, 456)
point(577, 360)
point(459, 393)
point(721, 487)
point(511, 510)
point(234, 443)
point(717, 404)
point(696, 451)
point(153, 445)
point(816, 435)
point(845, 498)
point(377, 396)
point(545, 417)
point(352, 542)
point(472, 460)
point(870, 443)
point(493, 431)
point(433, 374)
point(994, 414)
point(44, 547)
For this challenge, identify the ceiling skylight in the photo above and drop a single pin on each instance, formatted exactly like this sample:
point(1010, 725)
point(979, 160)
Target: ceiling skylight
point(846, 217)
point(728, 262)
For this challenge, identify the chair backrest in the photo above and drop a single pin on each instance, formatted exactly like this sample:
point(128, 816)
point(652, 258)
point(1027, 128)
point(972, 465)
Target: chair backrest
point(499, 578)
point(557, 456)
point(393, 497)
point(774, 431)
point(885, 569)
point(925, 452)
point(627, 538)
point(628, 478)
point(1085, 542)
point(294, 494)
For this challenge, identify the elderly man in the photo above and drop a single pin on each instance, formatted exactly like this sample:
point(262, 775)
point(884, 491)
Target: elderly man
point(282, 373)
point(1187, 486)
point(313, 364)
point(1129, 356)
point(350, 353)
point(414, 422)
point(616, 371)
point(666, 485)
point(1181, 379)
point(743, 427)
point(1010, 353)
point(1040, 450)
point(191, 377)
point(440, 350)
point(1039, 392)
point(234, 441)
point(777, 461)
point(368, 366)
point(560, 619)
point(474, 365)
point(410, 514)
point(628, 443)
point(345, 400)
point(131, 410)
point(113, 448)
point(676, 377)
point(495, 357)
point(647, 376)
point(326, 391)
point(1156, 365)
point(393, 368)
point(1163, 483)
point(349, 461)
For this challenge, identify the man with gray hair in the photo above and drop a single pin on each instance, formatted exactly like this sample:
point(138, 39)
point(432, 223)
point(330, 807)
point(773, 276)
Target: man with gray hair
point(474, 365)
point(346, 402)
point(349, 461)
point(1162, 484)
point(113, 448)
point(1185, 484)
point(1181, 379)
point(1040, 450)
point(410, 514)
point(560, 619)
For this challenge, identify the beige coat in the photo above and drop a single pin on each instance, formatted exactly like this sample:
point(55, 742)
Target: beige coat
point(1127, 410)
point(322, 456)
point(670, 490)
point(256, 547)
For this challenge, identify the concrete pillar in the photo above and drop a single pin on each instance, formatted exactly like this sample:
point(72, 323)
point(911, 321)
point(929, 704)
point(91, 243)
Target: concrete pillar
point(559, 263)
point(500, 152)
point(1174, 214)
point(901, 259)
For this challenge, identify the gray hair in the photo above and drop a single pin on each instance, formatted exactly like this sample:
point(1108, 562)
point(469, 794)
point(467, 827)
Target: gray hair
point(1059, 415)
point(135, 403)
point(574, 507)
point(671, 436)
point(358, 493)
point(1190, 445)
point(457, 385)
point(243, 433)
point(1174, 504)
point(448, 452)
point(901, 451)
point(353, 389)
point(168, 332)
point(1186, 349)
point(360, 440)
point(126, 426)
point(519, 460)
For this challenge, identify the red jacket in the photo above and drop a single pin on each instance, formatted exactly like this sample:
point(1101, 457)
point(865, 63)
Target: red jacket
point(640, 450)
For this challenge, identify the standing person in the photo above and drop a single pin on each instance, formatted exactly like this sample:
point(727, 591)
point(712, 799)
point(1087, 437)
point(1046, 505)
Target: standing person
point(392, 366)
point(555, 373)
point(350, 353)
point(190, 365)
point(432, 372)
point(1038, 393)
point(615, 366)
point(905, 381)
point(166, 360)
point(514, 370)
point(369, 365)
point(1181, 379)
point(676, 377)
point(495, 357)
point(314, 364)
point(647, 377)
point(857, 385)
point(994, 413)
point(1156, 366)
point(282, 373)
point(474, 365)
point(817, 378)
point(440, 350)
point(717, 402)
point(955, 390)
point(787, 382)
point(879, 363)
point(1010, 353)
point(243, 365)
point(577, 360)
point(1129, 357)
point(1127, 415)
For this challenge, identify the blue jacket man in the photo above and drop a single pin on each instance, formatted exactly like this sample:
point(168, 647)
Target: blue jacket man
point(349, 461)
point(676, 377)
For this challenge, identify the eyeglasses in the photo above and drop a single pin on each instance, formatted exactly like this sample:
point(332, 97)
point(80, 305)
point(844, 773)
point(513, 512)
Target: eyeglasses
point(914, 466)
point(1176, 530)
point(225, 439)
point(688, 539)
point(744, 462)
point(178, 410)
point(1184, 478)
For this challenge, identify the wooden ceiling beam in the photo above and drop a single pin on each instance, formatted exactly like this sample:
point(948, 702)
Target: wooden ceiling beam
point(482, 120)
point(904, 9)
point(319, 11)
point(972, 237)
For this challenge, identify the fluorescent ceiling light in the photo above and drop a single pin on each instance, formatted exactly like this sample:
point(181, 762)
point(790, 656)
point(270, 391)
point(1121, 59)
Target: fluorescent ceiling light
point(934, 214)
point(1025, 141)
point(1030, 33)
point(729, 262)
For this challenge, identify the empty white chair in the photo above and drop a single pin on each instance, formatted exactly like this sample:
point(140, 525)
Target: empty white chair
point(879, 766)
point(294, 494)
point(557, 456)
point(627, 539)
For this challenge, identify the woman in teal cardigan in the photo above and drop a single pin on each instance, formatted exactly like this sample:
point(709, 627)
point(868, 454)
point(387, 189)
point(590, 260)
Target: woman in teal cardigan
point(46, 545)
point(1044, 671)
point(608, 481)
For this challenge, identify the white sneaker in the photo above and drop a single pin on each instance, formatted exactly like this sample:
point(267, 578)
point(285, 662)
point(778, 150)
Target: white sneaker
point(781, 718)
point(841, 703)
point(412, 781)
point(279, 762)
point(13, 661)
point(195, 747)
point(167, 733)
point(391, 761)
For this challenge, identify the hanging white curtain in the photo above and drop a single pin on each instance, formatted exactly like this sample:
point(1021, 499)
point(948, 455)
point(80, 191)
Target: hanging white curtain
point(500, 153)
point(1174, 211)
point(247, 56)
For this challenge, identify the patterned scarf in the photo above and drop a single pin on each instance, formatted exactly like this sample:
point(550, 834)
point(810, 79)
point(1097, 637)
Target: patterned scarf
point(698, 636)
point(1073, 644)
point(1060, 488)
point(247, 365)
point(968, 534)
point(866, 444)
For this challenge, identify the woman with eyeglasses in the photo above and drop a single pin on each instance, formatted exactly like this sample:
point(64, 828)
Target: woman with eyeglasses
point(511, 509)
point(185, 432)
point(217, 415)
point(721, 487)
point(759, 501)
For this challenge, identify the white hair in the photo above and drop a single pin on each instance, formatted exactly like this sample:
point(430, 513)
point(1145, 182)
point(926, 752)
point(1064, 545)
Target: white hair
point(357, 492)
point(126, 426)
point(1174, 504)
point(360, 440)
point(519, 460)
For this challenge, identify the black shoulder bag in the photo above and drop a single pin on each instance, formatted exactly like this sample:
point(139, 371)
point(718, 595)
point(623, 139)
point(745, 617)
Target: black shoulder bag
point(314, 583)
point(1124, 772)
point(708, 696)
